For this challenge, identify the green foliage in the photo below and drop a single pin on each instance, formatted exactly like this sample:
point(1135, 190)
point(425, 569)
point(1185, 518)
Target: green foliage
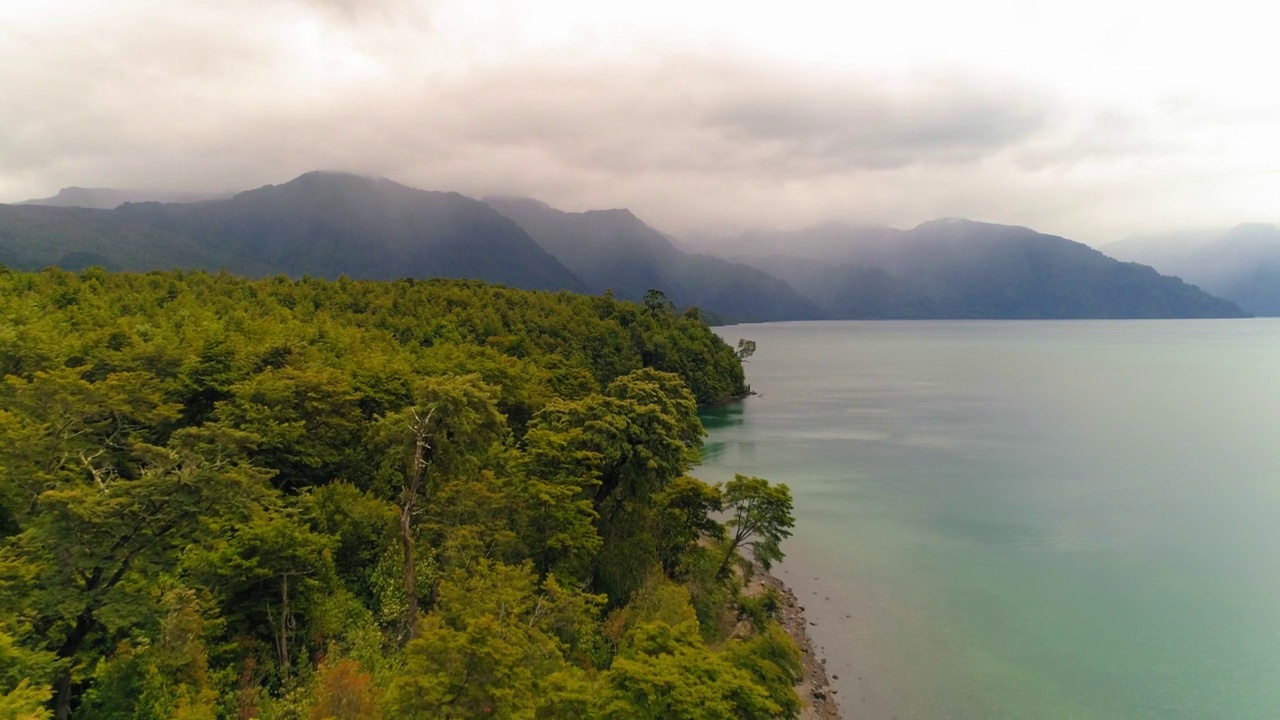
point(712, 593)
point(362, 526)
point(658, 600)
point(666, 672)
point(774, 661)
point(224, 498)
point(762, 608)
point(96, 544)
point(24, 702)
point(24, 677)
point(761, 518)
point(305, 424)
point(656, 302)
point(665, 668)
point(624, 446)
point(488, 646)
point(269, 575)
point(683, 515)
point(166, 677)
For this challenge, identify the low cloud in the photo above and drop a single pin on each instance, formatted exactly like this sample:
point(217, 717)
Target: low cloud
point(217, 96)
point(873, 124)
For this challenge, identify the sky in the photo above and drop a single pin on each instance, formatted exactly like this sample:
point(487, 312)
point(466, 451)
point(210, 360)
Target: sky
point(1092, 120)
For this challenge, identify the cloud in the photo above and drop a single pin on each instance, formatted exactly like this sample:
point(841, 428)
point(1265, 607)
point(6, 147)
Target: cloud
point(873, 124)
point(206, 95)
point(701, 114)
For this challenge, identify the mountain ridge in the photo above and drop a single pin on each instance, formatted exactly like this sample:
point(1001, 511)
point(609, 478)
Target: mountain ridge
point(320, 223)
point(1241, 264)
point(100, 198)
point(968, 269)
point(328, 224)
point(614, 250)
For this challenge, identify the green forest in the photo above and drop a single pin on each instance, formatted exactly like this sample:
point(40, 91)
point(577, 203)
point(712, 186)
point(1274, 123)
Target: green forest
point(332, 500)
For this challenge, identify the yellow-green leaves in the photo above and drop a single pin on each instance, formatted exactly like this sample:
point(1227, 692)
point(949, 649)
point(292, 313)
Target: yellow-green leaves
point(761, 518)
point(489, 646)
point(226, 496)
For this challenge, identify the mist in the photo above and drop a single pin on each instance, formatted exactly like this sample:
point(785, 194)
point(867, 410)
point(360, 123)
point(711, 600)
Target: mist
point(712, 120)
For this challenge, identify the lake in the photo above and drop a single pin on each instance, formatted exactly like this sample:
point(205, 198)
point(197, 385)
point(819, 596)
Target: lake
point(1068, 519)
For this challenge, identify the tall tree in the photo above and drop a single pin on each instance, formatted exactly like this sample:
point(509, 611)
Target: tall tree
point(92, 541)
point(214, 491)
point(684, 515)
point(760, 519)
point(488, 647)
point(268, 572)
point(449, 431)
point(667, 672)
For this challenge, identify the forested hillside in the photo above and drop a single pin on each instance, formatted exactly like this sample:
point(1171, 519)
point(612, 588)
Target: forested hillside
point(960, 269)
point(615, 250)
point(225, 498)
point(110, 198)
point(1241, 264)
point(320, 224)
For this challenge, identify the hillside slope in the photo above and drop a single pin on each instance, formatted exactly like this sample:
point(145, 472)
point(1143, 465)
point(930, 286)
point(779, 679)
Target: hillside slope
point(966, 269)
point(1241, 265)
point(111, 198)
point(615, 250)
point(320, 224)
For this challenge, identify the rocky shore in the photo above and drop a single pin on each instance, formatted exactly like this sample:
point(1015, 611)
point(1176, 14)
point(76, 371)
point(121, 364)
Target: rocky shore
point(815, 687)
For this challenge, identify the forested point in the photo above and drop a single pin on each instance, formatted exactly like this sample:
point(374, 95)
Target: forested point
point(230, 498)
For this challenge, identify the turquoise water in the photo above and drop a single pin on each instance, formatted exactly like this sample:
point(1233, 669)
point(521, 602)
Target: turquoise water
point(1025, 519)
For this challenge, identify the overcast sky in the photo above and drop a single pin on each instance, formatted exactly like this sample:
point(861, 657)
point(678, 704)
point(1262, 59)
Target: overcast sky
point(1086, 119)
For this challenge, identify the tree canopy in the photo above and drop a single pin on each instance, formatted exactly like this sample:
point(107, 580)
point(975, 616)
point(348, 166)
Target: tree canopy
point(225, 498)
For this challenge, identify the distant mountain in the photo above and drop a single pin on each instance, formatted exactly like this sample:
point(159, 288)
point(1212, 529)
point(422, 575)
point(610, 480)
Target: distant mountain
point(1242, 264)
point(321, 224)
point(615, 250)
point(329, 224)
point(1163, 251)
point(849, 292)
point(111, 198)
point(829, 242)
point(964, 269)
point(34, 237)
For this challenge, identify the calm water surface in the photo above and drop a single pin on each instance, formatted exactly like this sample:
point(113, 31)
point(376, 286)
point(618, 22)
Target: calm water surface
point(1025, 519)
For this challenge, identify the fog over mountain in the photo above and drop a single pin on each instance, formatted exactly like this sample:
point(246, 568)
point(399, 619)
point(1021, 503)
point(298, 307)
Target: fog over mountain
point(359, 359)
point(1241, 264)
point(110, 198)
point(321, 224)
point(329, 224)
point(706, 116)
point(614, 250)
point(955, 268)
point(851, 292)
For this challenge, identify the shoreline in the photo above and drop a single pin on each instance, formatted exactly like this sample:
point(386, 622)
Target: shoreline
point(814, 688)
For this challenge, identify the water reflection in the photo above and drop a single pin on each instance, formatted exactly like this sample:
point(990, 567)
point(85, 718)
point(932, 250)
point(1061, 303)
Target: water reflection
point(1027, 520)
point(716, 417)
point(717, 420)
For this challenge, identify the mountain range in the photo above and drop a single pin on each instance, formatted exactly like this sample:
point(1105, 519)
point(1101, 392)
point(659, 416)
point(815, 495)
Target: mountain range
point(330, 224)
point(959, 269)
point(111, 198)
point(614, 250)
point(321, 224)
point(1241, 264)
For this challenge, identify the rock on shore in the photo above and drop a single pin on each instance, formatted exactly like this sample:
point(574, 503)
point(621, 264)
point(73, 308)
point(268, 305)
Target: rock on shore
point(815, 688)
